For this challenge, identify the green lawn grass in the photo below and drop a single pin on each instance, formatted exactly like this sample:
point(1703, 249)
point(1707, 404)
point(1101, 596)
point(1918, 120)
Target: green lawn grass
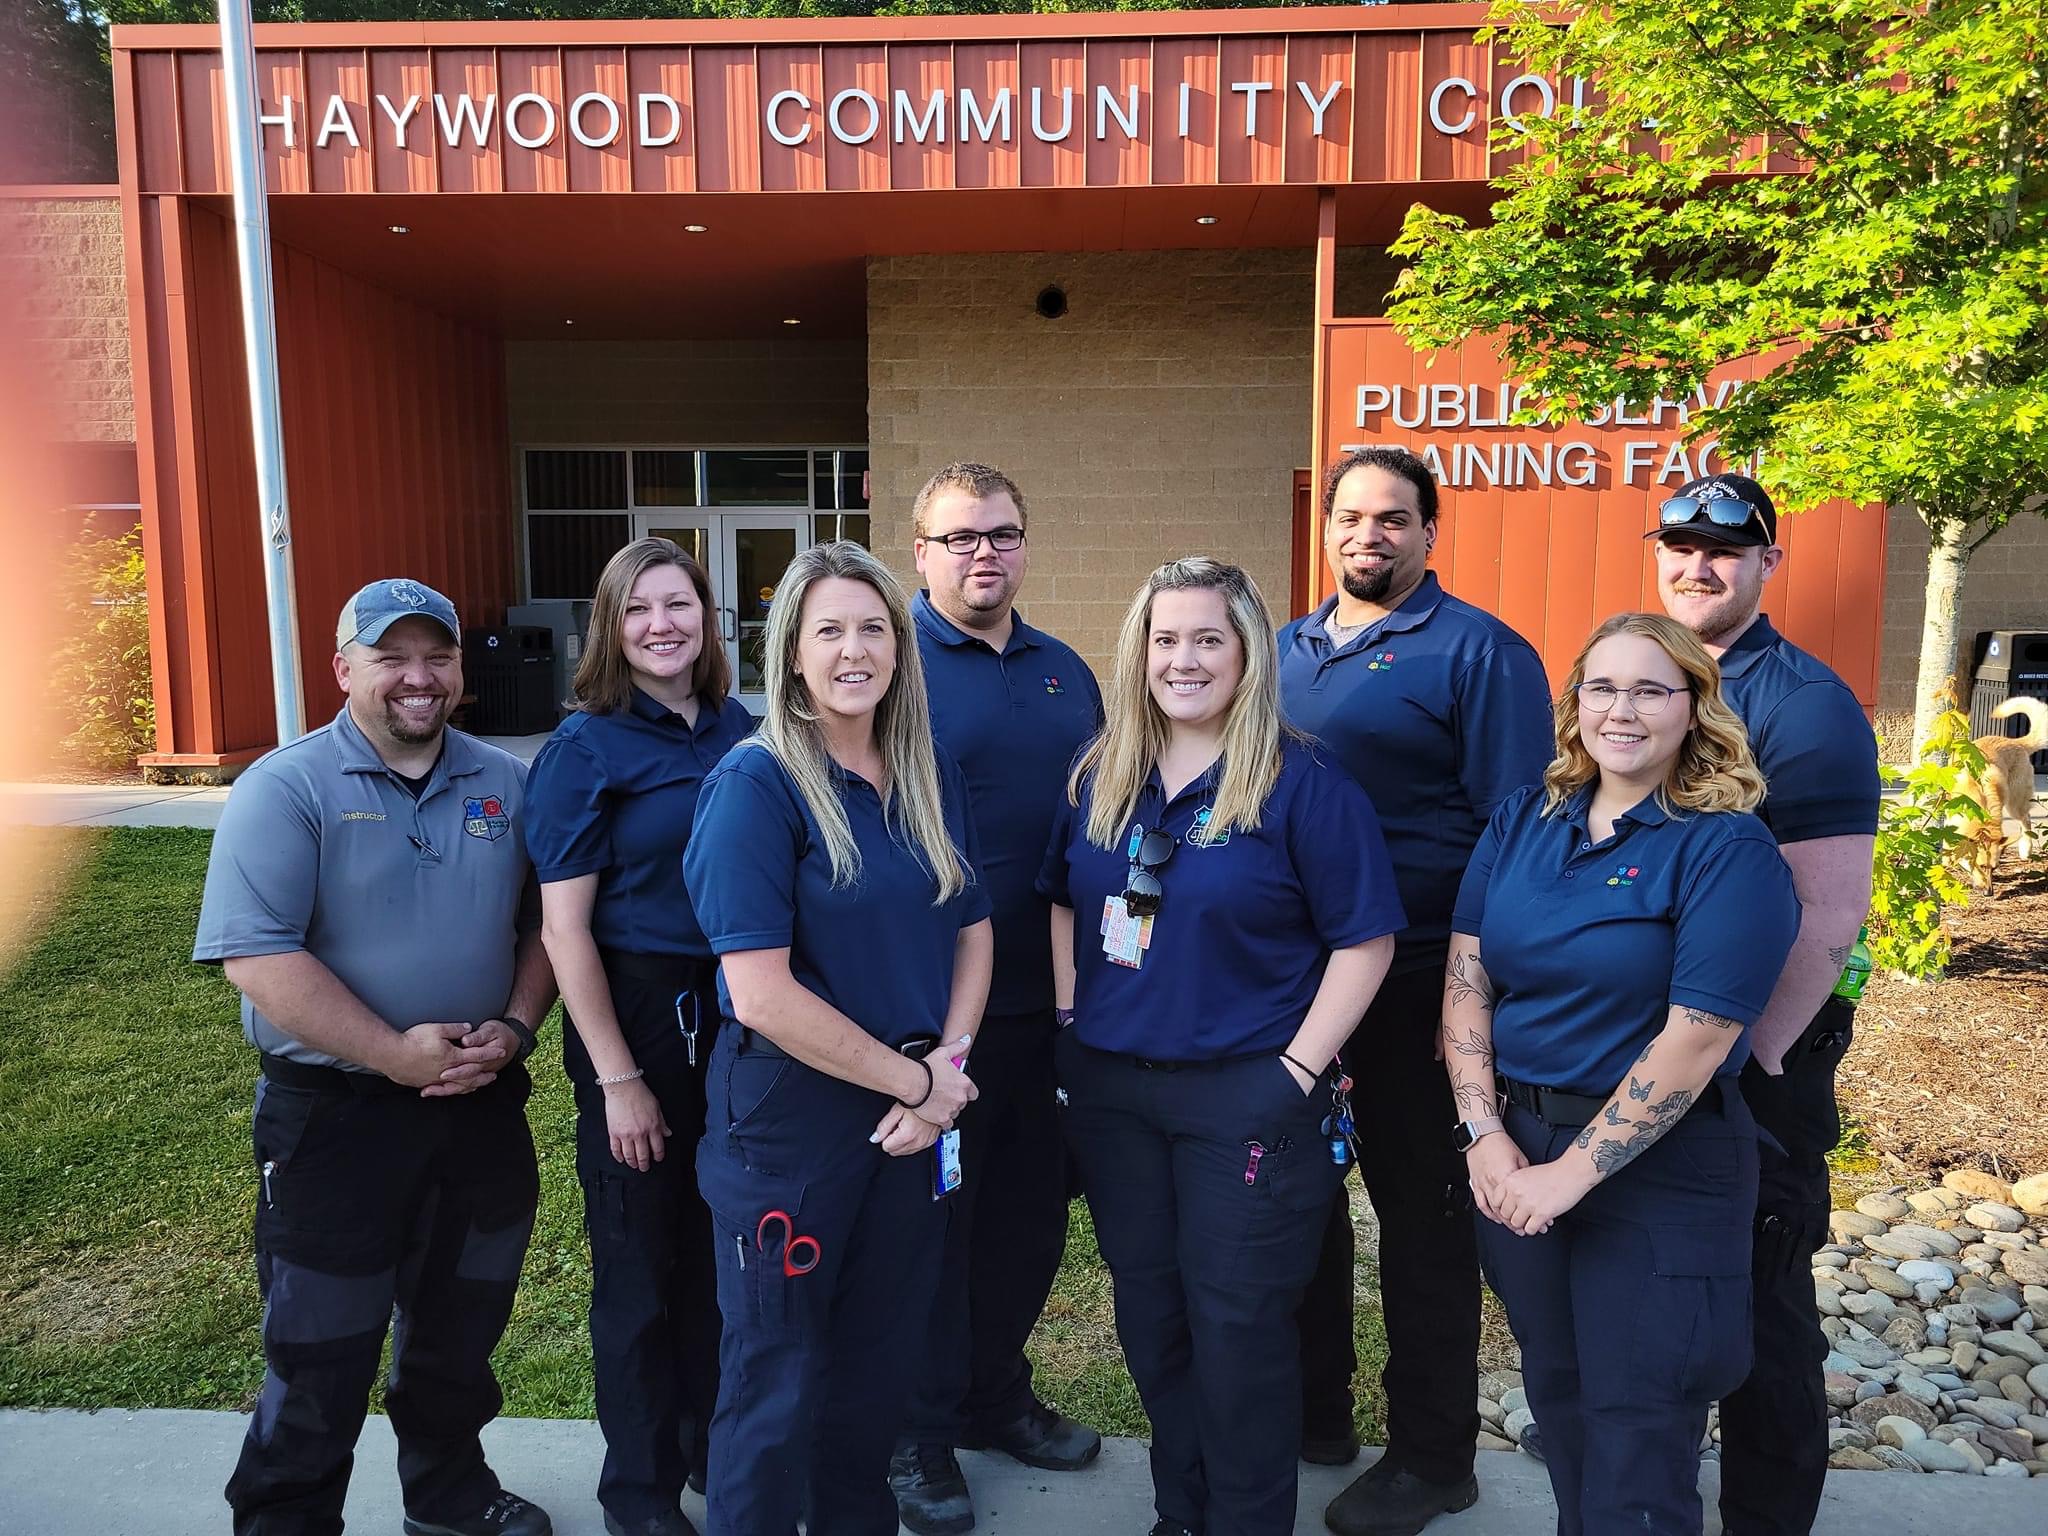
point(126, 1190)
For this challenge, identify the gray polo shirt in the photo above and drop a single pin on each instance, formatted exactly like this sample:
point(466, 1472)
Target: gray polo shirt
point(416, 906)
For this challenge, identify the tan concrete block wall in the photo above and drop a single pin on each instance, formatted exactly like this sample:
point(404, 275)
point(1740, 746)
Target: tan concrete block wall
point(1163, 415)
point(702, 393)
point(62, 273)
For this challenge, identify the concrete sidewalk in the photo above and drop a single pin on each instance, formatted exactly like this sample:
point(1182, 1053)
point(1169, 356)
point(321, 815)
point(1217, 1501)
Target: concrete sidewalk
point(159, 1473)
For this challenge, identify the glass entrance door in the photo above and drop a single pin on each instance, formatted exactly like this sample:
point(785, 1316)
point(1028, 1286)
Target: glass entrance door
point(745, 554)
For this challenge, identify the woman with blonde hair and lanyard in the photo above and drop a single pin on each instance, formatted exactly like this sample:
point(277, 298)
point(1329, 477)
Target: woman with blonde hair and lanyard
point(833, 868)
point(1619, 928)
point(1223, 911)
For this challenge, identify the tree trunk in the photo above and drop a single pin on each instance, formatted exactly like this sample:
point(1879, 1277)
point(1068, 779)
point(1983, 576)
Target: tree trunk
point(1948, 557)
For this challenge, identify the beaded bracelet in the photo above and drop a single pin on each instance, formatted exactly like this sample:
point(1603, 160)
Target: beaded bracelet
point(623, 1077)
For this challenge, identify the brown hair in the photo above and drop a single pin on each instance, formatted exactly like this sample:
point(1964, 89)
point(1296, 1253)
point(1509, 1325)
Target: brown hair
point(1713, 771)
point(977, 480)
point(604, 683)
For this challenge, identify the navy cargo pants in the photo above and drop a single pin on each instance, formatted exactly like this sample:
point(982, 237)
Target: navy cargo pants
point(815, 1368)
point(1006, 1232)
point(653, 1288)
point(1633, 1316)
point(371, 1198)
point(1774, 1429)
point(1209, 1183)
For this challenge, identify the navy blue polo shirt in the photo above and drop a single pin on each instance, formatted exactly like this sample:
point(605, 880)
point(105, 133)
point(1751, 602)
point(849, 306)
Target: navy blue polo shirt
point(1590, 944)
point(1441, 711)
point(1248, 919)
point(612, 795)
point(1810, 736)
point(1014, 720)
point(877, 949)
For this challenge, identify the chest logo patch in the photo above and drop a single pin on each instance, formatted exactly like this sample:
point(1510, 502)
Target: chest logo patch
point(1201, 836)
point(484, 816)
point(1382, 661)
point(1624, 874)
point(1054, 685)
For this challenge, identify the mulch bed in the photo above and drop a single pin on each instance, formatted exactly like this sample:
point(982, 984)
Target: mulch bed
point(1954, 1073)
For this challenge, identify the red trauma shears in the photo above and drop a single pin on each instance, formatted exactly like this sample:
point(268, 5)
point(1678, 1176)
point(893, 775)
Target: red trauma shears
point(793, 1242)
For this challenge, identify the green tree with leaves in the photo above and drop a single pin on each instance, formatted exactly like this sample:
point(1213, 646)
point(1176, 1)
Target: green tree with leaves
point(1646, 240)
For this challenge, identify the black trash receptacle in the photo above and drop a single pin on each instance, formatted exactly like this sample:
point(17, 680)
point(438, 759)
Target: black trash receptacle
point(511, 671)
point(2009, 663)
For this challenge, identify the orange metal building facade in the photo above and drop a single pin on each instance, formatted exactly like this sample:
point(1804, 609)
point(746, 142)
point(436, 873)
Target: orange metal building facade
point(537, 158)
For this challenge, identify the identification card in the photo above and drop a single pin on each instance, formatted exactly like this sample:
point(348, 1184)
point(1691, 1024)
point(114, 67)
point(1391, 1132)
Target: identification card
point(945, 1164)
point(1124, 938)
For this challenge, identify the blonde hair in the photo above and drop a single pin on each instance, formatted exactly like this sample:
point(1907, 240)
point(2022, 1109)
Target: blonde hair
point(1713, 771)
point(604, 682)
point(911, 801)
point(1134, 730)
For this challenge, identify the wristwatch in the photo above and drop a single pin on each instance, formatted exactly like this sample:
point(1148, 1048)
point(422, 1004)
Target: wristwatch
point(1467, 1132)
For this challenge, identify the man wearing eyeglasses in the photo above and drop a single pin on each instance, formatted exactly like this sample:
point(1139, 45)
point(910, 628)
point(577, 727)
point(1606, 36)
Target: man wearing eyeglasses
point(1013, 705)
point(1715, 547)
point(1441, 712)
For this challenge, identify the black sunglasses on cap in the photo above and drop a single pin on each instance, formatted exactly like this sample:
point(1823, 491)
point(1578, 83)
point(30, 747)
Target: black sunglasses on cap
point(1142, 890)
point(1721, 511)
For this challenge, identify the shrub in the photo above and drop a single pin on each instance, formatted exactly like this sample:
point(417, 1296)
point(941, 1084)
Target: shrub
point(1915, 872)
point(101, 676)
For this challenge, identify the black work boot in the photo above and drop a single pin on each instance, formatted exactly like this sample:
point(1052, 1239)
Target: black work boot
point(1388, 1500)
point(506, 1515)
point(1040, 1438)
point(931, 1490)
point(670, 1522)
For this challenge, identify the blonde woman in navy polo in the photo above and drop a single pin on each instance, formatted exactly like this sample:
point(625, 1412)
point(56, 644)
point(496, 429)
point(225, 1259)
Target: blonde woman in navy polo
point(1619, 929)
point(1223, 912)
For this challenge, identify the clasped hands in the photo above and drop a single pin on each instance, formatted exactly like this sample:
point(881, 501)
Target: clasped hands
point(904, 1130)
point(446, 1059)
point(1523, 1197)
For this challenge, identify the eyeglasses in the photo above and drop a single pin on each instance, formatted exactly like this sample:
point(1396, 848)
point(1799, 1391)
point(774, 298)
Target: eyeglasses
point(1721, 511)
point(965, 541)
point(1142, 890)
point(1644, 698)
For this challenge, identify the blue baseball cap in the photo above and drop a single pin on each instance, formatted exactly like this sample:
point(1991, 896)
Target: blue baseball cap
point(381, 604)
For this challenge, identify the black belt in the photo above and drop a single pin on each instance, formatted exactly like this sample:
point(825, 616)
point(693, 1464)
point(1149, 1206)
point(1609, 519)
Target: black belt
point(1555, 1107)
point(301, 1074)
point(1206, 1064)
point(692, 971)
point(753, 1043)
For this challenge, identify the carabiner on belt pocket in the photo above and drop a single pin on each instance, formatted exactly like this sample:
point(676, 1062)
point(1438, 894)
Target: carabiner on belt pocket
point(688, 1022)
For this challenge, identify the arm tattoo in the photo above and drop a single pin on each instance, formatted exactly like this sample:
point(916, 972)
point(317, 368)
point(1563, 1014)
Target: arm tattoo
point(1475, 1099)
point(1471, 1043)
point(1640, 1091)
point(1701, 1016)
point(1611, 1156)
point(1839, 954)
point(1468, 980)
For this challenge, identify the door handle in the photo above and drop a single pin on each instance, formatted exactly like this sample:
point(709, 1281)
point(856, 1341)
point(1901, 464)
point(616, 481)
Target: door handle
point(728, 623)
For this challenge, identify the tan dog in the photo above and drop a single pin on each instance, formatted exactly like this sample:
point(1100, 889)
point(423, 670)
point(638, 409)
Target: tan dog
point(2006, 792)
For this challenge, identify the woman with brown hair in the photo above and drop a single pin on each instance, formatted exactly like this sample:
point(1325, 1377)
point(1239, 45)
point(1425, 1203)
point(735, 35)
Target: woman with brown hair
point(609, 805)
point(1632, 916)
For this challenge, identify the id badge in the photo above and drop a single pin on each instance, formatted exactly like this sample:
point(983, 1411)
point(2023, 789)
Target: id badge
point(945, 1164)
point(1124, 938)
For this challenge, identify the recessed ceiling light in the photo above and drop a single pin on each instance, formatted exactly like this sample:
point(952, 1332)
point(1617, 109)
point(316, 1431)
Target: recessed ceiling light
point(695, 229)
point(399, 229)
point(792, 321)
point(1205, 218)
point(568, 322)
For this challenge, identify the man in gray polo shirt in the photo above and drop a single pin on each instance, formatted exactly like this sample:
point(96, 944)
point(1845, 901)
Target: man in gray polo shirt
point(370, 894)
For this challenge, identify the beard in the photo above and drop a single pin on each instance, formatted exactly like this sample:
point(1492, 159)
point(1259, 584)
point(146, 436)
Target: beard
point(1715, 614)
point(1373, 585)
point(979, 599)
point(412, 735)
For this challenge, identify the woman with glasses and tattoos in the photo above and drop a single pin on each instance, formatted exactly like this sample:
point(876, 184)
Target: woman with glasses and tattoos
point(1619, 929)
point(1223, 912)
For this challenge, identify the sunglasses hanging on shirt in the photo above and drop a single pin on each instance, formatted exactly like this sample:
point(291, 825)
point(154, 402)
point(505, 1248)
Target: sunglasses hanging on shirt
point(1150, 852)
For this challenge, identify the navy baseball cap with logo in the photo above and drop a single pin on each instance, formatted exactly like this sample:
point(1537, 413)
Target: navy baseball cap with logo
point(1728, 509)
point(381, 604)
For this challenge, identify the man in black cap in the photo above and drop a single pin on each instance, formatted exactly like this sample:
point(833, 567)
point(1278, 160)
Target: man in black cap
point(1715, 547)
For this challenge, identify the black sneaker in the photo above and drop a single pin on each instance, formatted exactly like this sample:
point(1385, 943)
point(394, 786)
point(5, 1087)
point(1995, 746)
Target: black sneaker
point(1334, 1450)
point(931, 1490)
point(1039, 1438)
point(669, 1523)
point(1531, 1443)
point(506, 1515)
point(1389, 1500)
point(1163, 1527)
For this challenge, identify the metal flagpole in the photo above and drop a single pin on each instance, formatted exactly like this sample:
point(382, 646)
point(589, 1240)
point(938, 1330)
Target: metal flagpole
point(259, 330)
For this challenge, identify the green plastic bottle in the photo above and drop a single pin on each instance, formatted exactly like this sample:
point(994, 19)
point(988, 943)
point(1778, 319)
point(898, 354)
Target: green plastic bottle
point(1856, 974)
